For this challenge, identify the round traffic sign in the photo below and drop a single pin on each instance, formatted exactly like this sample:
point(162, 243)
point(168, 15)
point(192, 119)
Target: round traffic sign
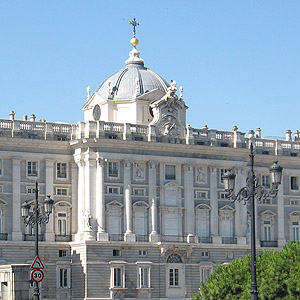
point(37, 275)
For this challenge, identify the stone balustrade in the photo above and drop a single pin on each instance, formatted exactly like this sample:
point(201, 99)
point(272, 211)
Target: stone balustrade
point(126, 131)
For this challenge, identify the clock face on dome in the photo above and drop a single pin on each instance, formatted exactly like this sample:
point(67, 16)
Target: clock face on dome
point(97, 113)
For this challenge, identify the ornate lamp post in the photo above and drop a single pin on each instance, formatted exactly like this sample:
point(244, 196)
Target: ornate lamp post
point(37, 218)
point(251, 192)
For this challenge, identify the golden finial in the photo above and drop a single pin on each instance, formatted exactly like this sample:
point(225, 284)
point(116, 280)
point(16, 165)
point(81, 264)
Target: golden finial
point(134, 41)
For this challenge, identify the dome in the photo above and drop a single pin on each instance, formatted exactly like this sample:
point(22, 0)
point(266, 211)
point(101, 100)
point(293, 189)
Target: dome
point(132, 81)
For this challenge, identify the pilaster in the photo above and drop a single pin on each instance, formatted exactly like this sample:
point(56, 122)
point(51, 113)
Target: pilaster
point(129, 235)
point(102, 235)
point(49, 233)
point(16, 205)
point(280, 216)
point(214, 214)
point(189, 212)
point(154, 237)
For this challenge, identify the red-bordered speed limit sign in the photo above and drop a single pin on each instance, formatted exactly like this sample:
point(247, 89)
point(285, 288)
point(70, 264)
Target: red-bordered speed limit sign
point(37, 275)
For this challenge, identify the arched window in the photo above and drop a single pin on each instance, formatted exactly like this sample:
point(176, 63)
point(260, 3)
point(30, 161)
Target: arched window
point(174, 259)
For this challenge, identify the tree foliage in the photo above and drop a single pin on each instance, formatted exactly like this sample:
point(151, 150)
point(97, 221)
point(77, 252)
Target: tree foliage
point(278, 277)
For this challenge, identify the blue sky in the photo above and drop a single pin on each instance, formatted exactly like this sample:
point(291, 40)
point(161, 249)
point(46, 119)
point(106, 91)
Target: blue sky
point(238, 61)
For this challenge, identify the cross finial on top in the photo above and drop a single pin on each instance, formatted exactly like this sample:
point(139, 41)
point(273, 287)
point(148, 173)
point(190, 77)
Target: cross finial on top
point(134, 23)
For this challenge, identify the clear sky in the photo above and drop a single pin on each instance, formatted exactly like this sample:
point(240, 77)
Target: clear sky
point(238, 61)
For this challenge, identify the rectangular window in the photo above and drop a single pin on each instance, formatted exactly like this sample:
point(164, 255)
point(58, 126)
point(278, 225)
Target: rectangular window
point(173, 277)
point(63, 278)
point(1, 221)
point(61, 192)
point(170, 172)
point(222, 172)
point(265, 181)
point(294, 202)
point(205, 254)
point(267, 231)
point(204, 273)
point(113, 190)
point(116, 252)
point(32, 169)
point(144, 277)
point(295, 231)
point(139, 192)
point(62, 224)
point(143, 253)
point(1, 167)
point(200, 195)
point(62, 253)
point(224, 196)
point(61, 170)
point(294, 183)
point(113, 169)
point(117, 277)
point(30, 189)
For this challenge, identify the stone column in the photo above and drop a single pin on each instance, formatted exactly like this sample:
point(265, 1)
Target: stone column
point(154, 237)
point(16, 200)
point(74, 194)
point(90, 195)
point(214, 214)
point(189, 212)
point(81, 197)
point(49, 234)
point(102, 235)
point(129, 235)
point(280, 216)
point(240, 226)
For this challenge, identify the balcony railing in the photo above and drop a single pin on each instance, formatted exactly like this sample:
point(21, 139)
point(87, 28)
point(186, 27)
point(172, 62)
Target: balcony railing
point(3, 236)
point(31, 237)
point(268, 244)
point(205, 239)
point(229, 240)
point(116, 237)
point(63, 238)
point(174, 238)
point(142, 238)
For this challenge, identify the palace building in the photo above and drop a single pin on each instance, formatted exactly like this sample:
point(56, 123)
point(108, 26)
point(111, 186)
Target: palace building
point(140, 210)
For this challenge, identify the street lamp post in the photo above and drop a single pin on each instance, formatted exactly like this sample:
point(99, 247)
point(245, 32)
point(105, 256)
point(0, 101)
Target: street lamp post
point(37, 218)
point(251, 192)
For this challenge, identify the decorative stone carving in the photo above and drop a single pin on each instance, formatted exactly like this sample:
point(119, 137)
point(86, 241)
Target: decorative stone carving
point(139, 171)
point(171, 250)
point(88, 219)
point(200, 174)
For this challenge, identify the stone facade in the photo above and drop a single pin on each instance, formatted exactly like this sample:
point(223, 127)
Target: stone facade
point(140, 209)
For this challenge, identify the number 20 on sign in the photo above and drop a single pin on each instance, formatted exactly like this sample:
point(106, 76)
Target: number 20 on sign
point(37, 275)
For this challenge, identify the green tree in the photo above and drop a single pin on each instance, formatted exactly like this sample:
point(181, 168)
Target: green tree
point(278, 277)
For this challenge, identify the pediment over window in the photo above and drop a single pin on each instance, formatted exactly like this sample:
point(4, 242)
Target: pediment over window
point(267, 213)
point(141, 204)
point(294, 214)
point(63, 204)
point(115, 204)
point(203, 207)
point(226, 208)
point(172, 185)
point(3, 202)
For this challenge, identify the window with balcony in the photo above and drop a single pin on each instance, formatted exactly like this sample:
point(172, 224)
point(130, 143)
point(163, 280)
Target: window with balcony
point(62, 211)
point(63, 277)
point(113, 169)
point(222, 172)
point(266, 181)
point(143, 277)
point(61, 170)
point(32, 168)
point(62, 224)
point(170, 172)
point(1, 167)
point(295, 231)
point(294, 183)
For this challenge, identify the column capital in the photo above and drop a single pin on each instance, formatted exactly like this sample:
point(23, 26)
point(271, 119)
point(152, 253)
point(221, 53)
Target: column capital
point(213, 169)
point(152, 164)
point(188, 167)
point(127, 163)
